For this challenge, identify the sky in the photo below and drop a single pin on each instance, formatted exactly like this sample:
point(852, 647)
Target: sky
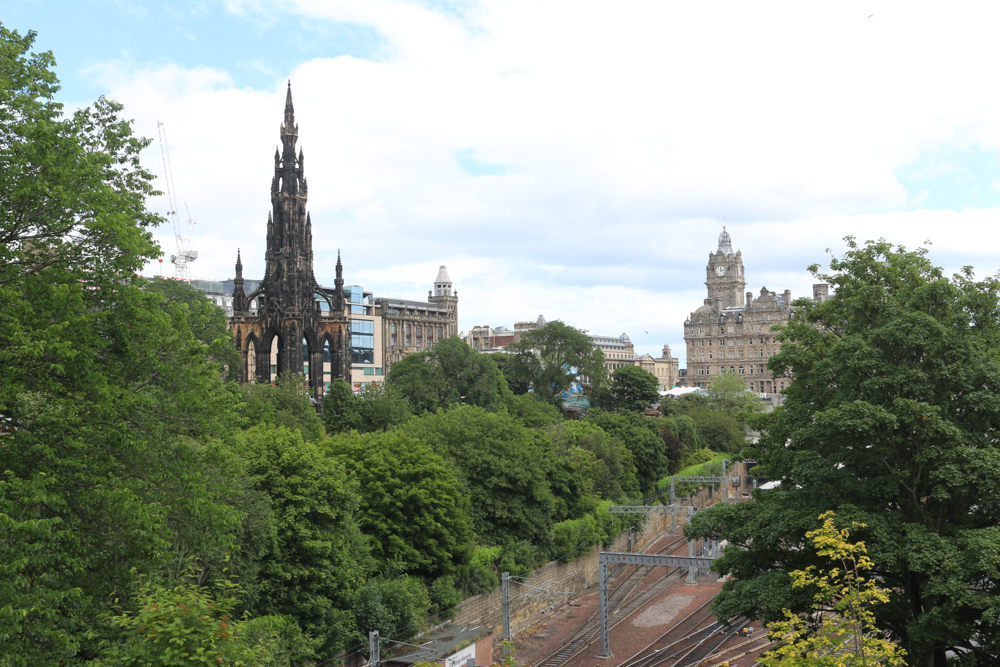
point(571, 159)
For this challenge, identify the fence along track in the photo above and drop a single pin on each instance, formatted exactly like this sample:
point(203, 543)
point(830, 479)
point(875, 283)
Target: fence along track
point(590, 632)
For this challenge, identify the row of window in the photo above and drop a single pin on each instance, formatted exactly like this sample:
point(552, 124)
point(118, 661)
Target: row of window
point(734, 341)
point(757, 369)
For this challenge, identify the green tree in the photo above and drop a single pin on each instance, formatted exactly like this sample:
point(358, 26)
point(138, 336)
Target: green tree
point(890, 422)
point(718, 430)
point(285, 403)
point(840, 631)
point(502, 465)
point(729, 394)
point(319, 557)
point(376, 408)
point(615, 477)
point(413, 507)
point(632, 388)
point(183, 625)
point(206, 321)
point(395, 607)
point(554, 358)
point(642, 437)
point(341, 408)
point(684, 429)
point(105, 392)
point(450, 373)
point(532, 412)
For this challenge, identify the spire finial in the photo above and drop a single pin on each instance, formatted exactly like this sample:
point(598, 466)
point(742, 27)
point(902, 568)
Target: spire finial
point(289, 109)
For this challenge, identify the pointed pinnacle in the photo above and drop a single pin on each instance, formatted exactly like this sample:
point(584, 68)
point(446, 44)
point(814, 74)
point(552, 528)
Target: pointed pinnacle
point(289, 109)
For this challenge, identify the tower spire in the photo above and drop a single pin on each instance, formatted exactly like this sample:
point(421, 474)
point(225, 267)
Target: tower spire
point(239, 296)
point(289, 109)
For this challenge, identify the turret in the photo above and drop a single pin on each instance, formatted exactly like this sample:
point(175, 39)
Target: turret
point(239, 296)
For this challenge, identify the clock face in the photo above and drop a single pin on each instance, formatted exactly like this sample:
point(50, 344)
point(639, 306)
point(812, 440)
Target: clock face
point(720, 270)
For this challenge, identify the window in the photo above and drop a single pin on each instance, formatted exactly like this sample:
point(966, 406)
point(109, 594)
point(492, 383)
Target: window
point(378, 371)
point(729, 329)
point(369, 371)
point(740, 370)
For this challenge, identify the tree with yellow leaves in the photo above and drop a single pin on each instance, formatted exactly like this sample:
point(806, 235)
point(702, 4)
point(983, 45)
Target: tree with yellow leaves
point(840, 631)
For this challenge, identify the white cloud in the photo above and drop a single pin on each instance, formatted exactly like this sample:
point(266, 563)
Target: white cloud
point(627, 134)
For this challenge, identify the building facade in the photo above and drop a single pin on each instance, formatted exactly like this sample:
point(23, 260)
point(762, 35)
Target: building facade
point(732, 331)
point(290, 332)
point(408, 327)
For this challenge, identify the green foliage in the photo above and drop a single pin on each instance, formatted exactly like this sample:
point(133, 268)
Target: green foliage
point(890, 422)
point(841, 631)
point(413, 507)
point(532, 412)
point(642, 437)
point(631, 388)
point(729, 394)
point(616, 477)
point(502, 465)
point(482, 573)
point(696, 458)
point(683, 428)
point(718, 430)
point(341, 408)
point(575, 537)
point(205, 320)
point(105, 392)
point(395, 607)
point(450, 373)
point(284, 644)
point(319, 558)
point(183, 625)
point(673, 448)
point(551, 359)
point(285, 404)
point(376, 408)
point(443, 594)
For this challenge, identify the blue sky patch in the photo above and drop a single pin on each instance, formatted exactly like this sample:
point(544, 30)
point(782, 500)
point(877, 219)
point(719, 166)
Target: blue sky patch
point(952, 178)
point(255, 49)
point(474, 167)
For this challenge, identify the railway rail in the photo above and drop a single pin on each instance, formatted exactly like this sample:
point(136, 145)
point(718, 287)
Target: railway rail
point(621, 604)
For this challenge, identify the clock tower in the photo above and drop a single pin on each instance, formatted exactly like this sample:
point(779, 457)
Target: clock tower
point(725, 279)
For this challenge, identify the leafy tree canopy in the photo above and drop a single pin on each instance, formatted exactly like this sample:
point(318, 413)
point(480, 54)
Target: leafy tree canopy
point(320, 557)
point(413, 507)
point(376, 408)
point(890, 422)
point(285, 403)
point(642, 437)
point(616, 477)
point(502, 465)
point(104, 389)
point(450, 373)
point(631, 388)
point(551, 359)
point(729, 394)
point(840, 631)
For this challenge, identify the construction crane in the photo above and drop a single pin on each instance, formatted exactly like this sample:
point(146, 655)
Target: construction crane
point(185, 255)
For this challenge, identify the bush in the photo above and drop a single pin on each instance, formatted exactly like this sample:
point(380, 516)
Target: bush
point(285, 642)
point(443, 594)
point(695, 458)
point(575, 537)
point(394, 607)
point(181, 626)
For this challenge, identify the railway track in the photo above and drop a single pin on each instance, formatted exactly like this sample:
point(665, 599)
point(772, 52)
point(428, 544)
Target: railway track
point(590, 632)
point(697, 640)
point(691, 649)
